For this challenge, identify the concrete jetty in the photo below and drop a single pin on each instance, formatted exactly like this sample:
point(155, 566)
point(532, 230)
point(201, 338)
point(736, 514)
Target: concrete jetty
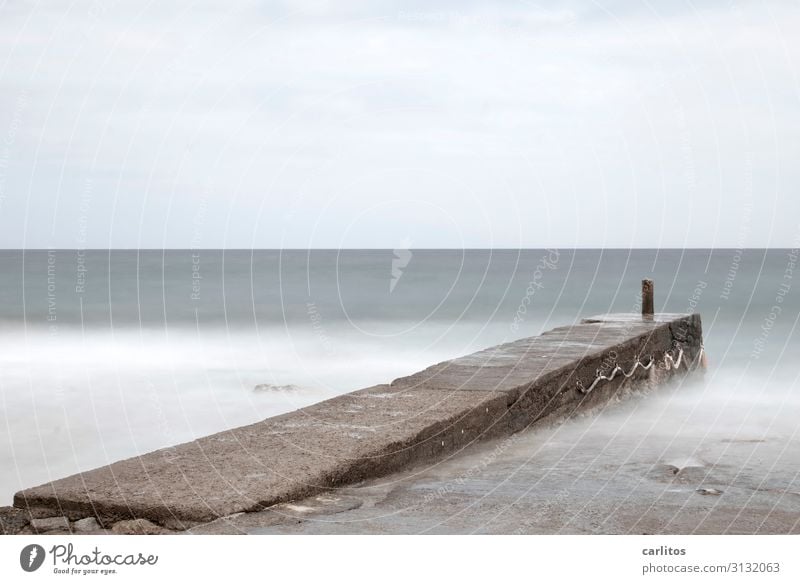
point(428, 416)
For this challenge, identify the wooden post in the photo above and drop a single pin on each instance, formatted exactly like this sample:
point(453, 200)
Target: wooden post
point(647, 298)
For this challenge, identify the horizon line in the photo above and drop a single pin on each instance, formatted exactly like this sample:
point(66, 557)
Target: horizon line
point(308, 249)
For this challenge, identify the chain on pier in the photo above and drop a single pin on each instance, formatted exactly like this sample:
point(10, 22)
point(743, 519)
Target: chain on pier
point(669, 362)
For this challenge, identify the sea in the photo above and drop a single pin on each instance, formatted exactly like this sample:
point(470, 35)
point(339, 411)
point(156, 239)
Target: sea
point(108, 354)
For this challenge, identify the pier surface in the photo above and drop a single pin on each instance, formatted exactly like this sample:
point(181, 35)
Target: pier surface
point(429, 416)
point(661, 462)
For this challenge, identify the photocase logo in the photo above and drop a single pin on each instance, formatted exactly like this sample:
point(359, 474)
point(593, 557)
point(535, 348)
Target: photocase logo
point(31, 557)
point(402, 256)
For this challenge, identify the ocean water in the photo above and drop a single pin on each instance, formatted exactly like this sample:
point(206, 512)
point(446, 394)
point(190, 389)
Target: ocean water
point(105, 355)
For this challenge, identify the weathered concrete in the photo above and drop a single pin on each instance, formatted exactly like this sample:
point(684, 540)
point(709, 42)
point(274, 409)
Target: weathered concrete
point(375, 431)
point(676, 460)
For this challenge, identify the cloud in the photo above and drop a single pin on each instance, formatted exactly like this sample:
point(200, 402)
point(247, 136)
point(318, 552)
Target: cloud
point(509, 124)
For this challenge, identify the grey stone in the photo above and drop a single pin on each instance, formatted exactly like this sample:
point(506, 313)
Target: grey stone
point(137, 527)
point(13, 520)
point(86, 524)
point(50, 524)
point(261, 387)
point(709, 491)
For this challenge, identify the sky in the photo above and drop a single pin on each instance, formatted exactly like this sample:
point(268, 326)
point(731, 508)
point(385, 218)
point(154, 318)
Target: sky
point(382, 124)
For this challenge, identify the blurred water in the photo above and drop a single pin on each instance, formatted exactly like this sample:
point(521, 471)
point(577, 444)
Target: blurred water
point(105, 355)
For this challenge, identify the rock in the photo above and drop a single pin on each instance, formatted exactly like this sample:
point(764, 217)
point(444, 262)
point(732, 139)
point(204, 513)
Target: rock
point(50, 524)
point(320, 505)
point(137, 527)
point(269, 387)
point(685, 472)
point(709, 491)
point(86, 524)
point(13, 520)
point(174, 524)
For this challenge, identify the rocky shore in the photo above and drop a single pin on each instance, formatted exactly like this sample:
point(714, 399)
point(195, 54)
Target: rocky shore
point(14, 521)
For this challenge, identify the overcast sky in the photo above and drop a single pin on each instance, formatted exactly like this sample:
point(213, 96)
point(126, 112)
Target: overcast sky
point(395, 124)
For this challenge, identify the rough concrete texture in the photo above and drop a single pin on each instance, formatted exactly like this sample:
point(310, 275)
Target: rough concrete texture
point(427, 416)
point(652, 464)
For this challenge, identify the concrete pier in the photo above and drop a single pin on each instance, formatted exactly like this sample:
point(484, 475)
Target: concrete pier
point(429, 416)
